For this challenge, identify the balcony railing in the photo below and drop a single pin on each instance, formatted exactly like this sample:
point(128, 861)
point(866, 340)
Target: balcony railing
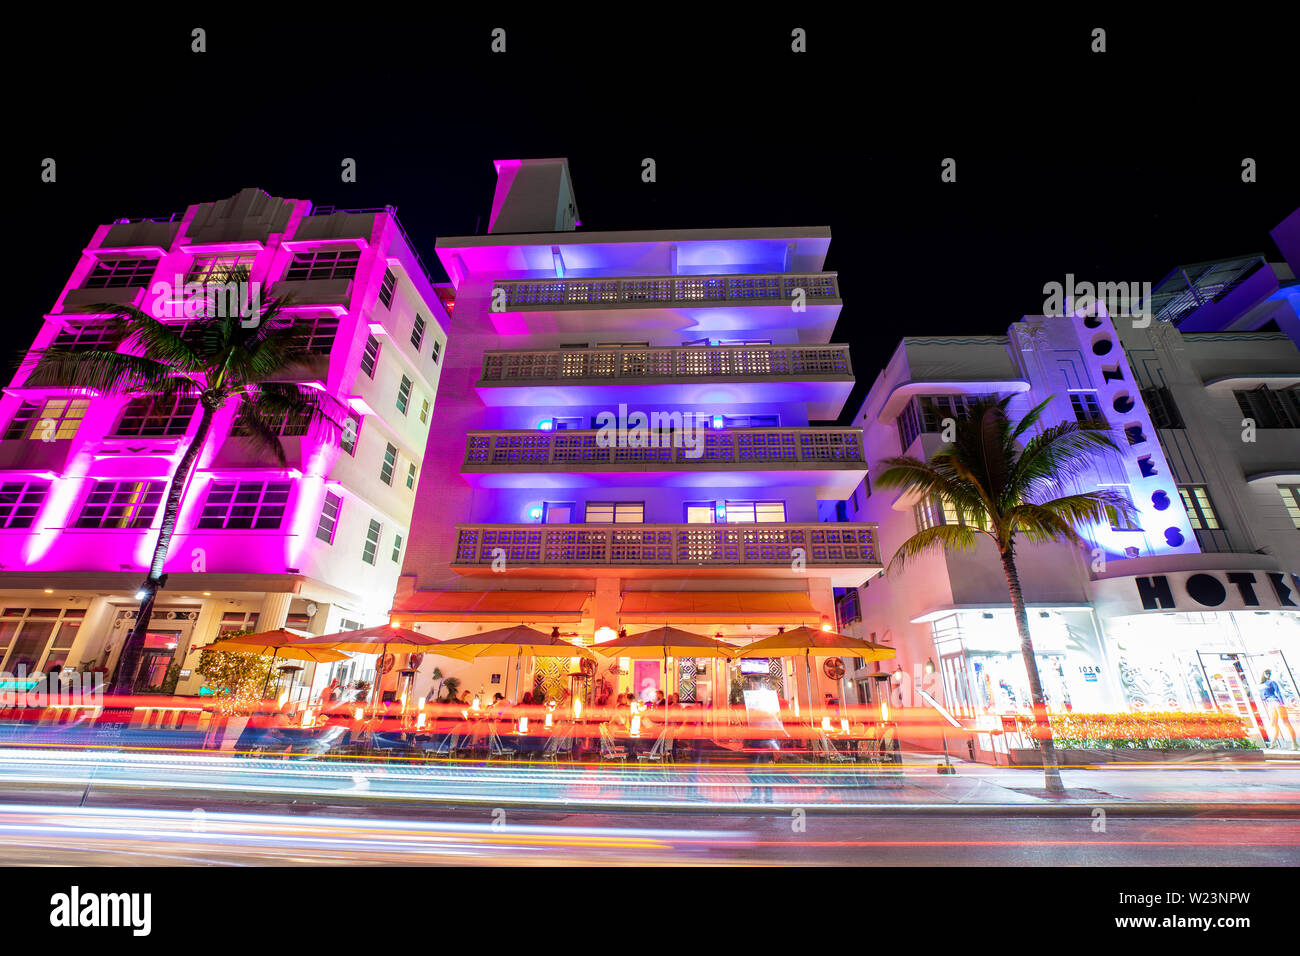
point(829, 544)
point(671, 362)
point(666, 290)
point(522, 450)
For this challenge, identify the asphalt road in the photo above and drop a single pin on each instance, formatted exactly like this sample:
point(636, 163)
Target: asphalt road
point(227, 833)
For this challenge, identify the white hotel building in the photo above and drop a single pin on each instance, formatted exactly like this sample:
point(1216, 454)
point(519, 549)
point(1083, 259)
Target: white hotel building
point(1180, 610)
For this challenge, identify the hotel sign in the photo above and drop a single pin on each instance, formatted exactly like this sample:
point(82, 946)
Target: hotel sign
point(1216, 591)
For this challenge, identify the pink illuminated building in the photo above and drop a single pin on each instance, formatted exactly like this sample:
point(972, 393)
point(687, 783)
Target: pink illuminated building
point(316, 545)
point(549, 507)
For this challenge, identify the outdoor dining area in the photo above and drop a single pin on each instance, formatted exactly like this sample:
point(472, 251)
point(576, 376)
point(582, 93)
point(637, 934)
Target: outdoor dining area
point(761, 726)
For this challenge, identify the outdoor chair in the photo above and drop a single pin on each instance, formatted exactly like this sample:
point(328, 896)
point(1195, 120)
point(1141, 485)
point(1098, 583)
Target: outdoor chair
point(498, 749)
point(559, 743)
point(824, 748)
point(608, 749)
point(659, 751)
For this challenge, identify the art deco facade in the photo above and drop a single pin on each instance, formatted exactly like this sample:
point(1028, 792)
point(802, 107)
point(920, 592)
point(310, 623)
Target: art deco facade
point(317, 544)
point(534, 514)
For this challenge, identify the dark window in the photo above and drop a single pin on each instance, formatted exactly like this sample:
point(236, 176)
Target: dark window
point(437, 350)
point(88, 334)
point(389, 465)
point(1270, 408)
point(351, 432)
point(371, 547)
point(404, 395)
point(1086, 408)
point(19, 502)
point(387, 287)
point(121, 504)
point(329, 518)
point(924, 414)
point(370, 356)
point(417, 332)
point(1160, 405)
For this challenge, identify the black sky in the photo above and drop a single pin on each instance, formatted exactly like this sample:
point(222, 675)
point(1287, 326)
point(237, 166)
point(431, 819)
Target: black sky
point(1111, 166)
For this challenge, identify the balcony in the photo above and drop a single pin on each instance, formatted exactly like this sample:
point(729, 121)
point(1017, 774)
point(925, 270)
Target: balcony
point(830, 459)
point(819, 375)
point(698, 302)
point(846, 553)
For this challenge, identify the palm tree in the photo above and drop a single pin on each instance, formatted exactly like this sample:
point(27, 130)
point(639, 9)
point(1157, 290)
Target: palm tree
point(1001, 489)
point(215, 358)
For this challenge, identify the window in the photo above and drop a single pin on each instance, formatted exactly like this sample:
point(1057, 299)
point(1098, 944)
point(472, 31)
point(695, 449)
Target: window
point(936, 511)
point(286, 424)
point(410, 475)
point(57, 418)
point(1200, 512)
point(397, 548)
point(1160, 405)
point(120, 273)
point(372, 542)
point(700, 512)
point(1086, 408)
point(424, 412)
point(387, 287)
point(558, 512)
point(848, 609)
point(390, 464)
point(924, 414)
point(245, 504)
point(750, 421)
point(370, 356)
point(218, 269)
point(566, 423)
point(89, 334)
point(615, 512)
point(19, 502)
point(323, 264)
point(156, 416)
point(121, 504)
point(437, 350)
point(351, 432)
point(404, 395)
point(1270, 408)
point(329, 517)
point(1290, 498)
point(417, 332)
point(746, 512)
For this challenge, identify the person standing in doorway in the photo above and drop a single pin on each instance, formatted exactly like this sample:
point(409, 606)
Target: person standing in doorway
point(1270, 693)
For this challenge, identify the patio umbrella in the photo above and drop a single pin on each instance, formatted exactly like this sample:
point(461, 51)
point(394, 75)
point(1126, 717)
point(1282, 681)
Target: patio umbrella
point(282, 642)
point(383, 638)
point(806, 639)
point(665, 642)
point(514, 642)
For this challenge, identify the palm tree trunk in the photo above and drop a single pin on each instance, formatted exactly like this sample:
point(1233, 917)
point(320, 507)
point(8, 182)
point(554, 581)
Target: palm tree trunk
point(133, 650)
point(1042, 727)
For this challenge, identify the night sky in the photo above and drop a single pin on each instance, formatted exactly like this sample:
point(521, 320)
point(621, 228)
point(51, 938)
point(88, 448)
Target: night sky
point(1113, 166)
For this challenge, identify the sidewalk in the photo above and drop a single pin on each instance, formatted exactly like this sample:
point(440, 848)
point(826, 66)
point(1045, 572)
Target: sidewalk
point(1270, 784)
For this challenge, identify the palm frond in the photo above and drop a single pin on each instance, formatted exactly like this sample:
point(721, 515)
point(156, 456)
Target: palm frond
point(950, 537)
point(1055, 455)
point(105, 372)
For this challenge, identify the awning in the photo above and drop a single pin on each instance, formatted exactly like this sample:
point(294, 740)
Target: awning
point(721, 607)
point(514, 607)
